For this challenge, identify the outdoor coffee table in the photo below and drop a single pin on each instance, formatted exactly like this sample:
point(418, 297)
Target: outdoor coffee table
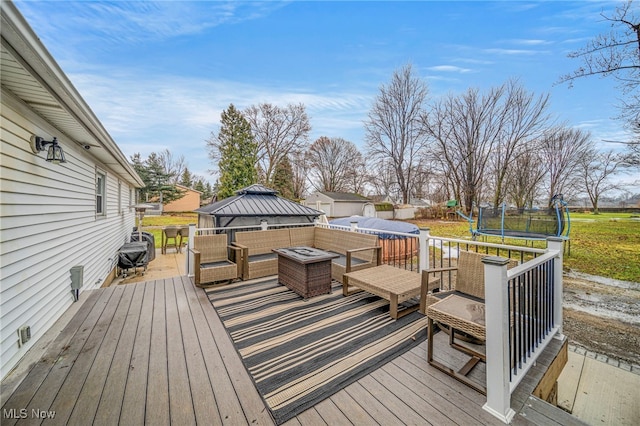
point(391, 283)
point(305, 270)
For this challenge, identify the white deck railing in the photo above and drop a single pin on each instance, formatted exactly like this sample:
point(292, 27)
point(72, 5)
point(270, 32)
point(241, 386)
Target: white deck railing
point(523, 305)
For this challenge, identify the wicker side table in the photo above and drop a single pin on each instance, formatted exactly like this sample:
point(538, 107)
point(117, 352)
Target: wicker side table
point(305, 270)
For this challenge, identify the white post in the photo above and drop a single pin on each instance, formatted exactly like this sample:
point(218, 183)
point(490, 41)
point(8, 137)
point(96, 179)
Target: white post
point(187, 257)
point(423, 248)
point(557, 244)
point(354, 226)
point(264, 225)
point(497, 333)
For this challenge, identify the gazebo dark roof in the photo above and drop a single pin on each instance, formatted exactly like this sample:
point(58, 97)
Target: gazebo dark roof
point(257, 200)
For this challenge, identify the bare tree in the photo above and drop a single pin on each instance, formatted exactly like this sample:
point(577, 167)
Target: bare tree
point(597, 169)
point(464, 130)
point(173, 167)
point(393, 128)
point(358, 177)
point(332, 163)
point(278, 132)
point(300, 170)
point(615, 54)
point(383, 178)
point(525, 177)
point(562, 150)
point(523, 118)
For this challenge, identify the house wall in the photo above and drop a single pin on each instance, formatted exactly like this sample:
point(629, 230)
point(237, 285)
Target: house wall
point(48, 225)
point(320, 202)
point(345, 209)
point(188, 203)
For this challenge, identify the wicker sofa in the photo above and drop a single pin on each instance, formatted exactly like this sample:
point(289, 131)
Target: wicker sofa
point(257, 259)
point(355, 250)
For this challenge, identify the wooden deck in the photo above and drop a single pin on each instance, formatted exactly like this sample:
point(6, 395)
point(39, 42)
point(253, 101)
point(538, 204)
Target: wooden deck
point(157, 353)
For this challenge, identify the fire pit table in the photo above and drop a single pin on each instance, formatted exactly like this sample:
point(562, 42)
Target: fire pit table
point(305, 270)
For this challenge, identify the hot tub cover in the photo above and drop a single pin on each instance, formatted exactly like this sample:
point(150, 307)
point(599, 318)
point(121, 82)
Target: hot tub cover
point(379, 224)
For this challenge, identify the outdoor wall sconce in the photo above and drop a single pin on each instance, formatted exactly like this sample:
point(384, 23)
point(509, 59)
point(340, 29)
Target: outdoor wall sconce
point(54, 153)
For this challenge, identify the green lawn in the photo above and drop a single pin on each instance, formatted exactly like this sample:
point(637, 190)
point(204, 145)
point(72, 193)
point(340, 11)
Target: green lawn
point(154, 224)
point(607, 244)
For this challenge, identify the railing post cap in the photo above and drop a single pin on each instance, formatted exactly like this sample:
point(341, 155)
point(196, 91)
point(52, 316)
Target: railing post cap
point(495, 260)
point(424, 228)
point(556, 239)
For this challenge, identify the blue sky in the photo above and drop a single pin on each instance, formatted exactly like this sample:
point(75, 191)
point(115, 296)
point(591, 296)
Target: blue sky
point(158, 74)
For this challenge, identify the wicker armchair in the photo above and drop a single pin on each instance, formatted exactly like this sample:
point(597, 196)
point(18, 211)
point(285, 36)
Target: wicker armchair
point(458, 310)
point(211, 259)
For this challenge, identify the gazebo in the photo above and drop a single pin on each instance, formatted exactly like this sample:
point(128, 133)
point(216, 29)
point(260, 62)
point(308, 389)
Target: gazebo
point(252, 205)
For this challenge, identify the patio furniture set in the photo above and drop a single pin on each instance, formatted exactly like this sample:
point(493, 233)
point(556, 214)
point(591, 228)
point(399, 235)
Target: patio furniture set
point(306, 259)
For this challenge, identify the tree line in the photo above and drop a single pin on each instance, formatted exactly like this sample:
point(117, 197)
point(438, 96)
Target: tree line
point(161, 172)
point(497, 146)
point(492, 146)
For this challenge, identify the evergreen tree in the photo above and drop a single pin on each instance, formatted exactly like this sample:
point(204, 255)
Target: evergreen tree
point(237, 152)
point(186, 179)
point(157, 181)
point(283, 178)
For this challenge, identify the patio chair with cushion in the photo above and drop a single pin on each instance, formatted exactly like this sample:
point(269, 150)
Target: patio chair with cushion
point(211, 260)
point(459, 311)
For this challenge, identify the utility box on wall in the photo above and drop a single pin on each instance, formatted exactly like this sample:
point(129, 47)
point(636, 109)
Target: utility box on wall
point(77, 279)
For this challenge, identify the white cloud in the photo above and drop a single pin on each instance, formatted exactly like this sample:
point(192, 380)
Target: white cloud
point(140, 21)
point(450, 68)
point(148, 114)
point(502, 51)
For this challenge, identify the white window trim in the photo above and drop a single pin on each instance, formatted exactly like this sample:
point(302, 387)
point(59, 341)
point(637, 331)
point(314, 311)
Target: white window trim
point(103, 174)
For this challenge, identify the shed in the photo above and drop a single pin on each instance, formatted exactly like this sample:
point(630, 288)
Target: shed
point(252, 205)
point(338, 204)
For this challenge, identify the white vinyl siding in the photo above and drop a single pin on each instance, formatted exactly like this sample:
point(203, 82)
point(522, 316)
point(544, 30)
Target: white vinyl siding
point(49, 225)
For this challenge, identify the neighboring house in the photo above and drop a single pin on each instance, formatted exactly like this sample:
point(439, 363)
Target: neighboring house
point(338, 204)
point(53, 217)
point(188, 203)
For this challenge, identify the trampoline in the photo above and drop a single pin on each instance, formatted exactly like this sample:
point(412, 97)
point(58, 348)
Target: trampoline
point(528, 224)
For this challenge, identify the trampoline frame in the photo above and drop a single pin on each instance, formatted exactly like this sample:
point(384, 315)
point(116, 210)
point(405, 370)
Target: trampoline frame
point(560, 212)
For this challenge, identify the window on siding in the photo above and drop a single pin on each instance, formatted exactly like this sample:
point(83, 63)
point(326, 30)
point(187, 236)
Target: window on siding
point(101, 179)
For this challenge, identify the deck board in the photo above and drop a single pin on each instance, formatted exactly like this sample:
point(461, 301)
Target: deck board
point(157, 353)
point(112, 396)
point(157, 402)
point(135, 390)
point(74, 369)
point(201, 389)
point(86, 405)
point(180, 402)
